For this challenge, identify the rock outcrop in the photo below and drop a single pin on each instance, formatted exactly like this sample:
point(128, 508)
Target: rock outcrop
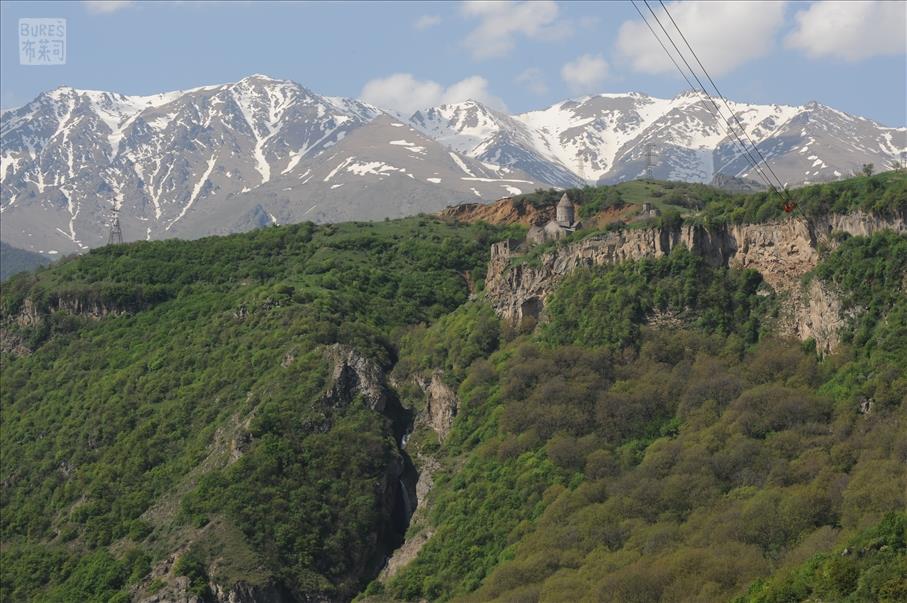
point(85, 304)
point(353, 378)
point(440, 404)
point(503, 211)
point(354, 375)
point(242, 592)
point(815, 312)
point(31, 315)
point(437, 416)
point(783, 252)
point(177, 591)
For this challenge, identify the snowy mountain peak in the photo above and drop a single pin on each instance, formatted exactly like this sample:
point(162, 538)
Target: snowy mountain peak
point(263, 77)
point(261, 150)
point(192, 162)
point(689, 93)
point(605, 138)
point(59, 92)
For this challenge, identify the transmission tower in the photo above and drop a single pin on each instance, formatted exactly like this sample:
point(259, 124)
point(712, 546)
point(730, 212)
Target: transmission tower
point(116, 233)
point(650, 162)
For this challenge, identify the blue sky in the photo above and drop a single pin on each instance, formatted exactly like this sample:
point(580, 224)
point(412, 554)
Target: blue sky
point(518, 56)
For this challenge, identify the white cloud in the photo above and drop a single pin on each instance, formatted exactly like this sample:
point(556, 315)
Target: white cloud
point(405, 94)
point(426, 21)
point(105, 6)
point(850, 30)
point(723, 34)
point(533, 80)
point(585, 73)
point(501, 23)
point(401, 92)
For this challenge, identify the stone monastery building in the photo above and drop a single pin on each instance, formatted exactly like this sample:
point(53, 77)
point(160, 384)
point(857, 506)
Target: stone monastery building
point(564, 223)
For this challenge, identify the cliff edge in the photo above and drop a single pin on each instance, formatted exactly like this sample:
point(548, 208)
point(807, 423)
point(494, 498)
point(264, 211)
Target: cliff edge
point(782, 252)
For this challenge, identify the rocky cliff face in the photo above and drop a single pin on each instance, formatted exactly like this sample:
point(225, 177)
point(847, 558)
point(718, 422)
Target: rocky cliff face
point(355, 375)
point(421, 529)
point(26, 317)
point(781, 251)
point(241, 592)
point(435, 417)
point(31, 315)
point(248, 593)
point(440, 404)
point(815, 312)
point(502, 211)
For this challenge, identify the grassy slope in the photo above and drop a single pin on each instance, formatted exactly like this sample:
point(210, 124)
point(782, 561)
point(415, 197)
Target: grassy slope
point(882, 193)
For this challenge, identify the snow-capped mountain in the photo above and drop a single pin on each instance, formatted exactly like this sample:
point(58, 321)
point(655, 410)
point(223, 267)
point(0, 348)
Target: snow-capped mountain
point(606, 138)
point(475, 130)
point(383, 168)
point(229, 157)
point(210, 160)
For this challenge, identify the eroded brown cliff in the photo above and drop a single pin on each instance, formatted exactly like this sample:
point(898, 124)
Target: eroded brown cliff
point(783, 252)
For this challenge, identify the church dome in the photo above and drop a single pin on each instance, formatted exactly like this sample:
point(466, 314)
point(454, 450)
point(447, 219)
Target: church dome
point(565, 214)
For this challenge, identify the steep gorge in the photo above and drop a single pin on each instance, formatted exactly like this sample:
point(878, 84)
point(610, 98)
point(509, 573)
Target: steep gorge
point(353, 378)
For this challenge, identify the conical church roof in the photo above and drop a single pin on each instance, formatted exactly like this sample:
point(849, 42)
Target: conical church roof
point(565, 201)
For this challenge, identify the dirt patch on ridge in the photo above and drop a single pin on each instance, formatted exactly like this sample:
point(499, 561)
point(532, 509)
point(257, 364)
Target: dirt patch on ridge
point(501, 212)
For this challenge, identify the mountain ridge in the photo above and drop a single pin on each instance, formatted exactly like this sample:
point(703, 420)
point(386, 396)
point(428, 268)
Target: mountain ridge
point(226, 157)
point(591, 138)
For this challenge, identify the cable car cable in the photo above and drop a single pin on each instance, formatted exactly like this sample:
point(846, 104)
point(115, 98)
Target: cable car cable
point(722, 97)
point(709, 97)
point(719, 118)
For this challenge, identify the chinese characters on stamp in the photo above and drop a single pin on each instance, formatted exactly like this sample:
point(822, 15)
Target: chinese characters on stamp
point(42, 41)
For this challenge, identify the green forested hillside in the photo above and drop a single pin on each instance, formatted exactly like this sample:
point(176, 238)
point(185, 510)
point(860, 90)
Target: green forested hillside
point(104, 420)
point(604, 460)
point(164, 415)
point(872, 566)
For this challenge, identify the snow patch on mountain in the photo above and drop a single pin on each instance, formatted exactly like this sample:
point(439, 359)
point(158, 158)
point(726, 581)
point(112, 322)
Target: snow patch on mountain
point(410, 146)
point(374, 168)
point(460, 164)
point(195, 191)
